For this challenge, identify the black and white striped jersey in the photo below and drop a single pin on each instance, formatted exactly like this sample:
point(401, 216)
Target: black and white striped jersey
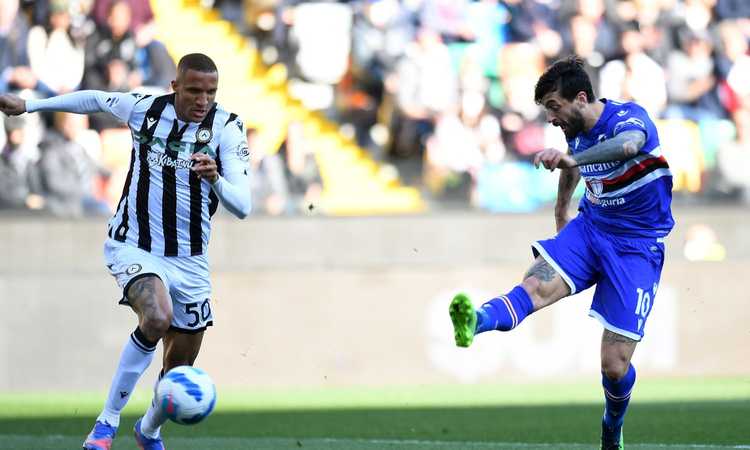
point(165, 208)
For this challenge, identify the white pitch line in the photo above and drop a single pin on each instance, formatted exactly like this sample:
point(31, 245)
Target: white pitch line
point(409, 442)
point(518, 444)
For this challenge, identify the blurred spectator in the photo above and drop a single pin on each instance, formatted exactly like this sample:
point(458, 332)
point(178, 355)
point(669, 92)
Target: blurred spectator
point(155, 67)
point(733, 9)
point(56, 58)
point(521, 64)
point(733, 158)
point(15, 73)
point(656, 20)
point(636, 77)
point(692, 85)
point(697, 14)
point(17, 177)
point(459, 146)
point(321, 33)
point(110, 59)
point(141, 24)
point(380, 32)
point(583, 36)
point(448, 18)
point(67, 171)
point(734, 66)
point(489, 21)
point(235, 11)
point(535, 21)
point(425, 85)
point(302, 174)
point(268, 183)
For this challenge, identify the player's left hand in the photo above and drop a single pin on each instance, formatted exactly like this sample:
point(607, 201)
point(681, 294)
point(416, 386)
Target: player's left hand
point(552, 159)
point(205, 167)
point(12, 105)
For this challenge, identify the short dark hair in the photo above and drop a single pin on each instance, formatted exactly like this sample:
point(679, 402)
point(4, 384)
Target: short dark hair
point(196, 61)
point(566, 76)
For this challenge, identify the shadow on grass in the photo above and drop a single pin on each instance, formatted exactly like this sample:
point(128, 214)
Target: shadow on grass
point(711, 422)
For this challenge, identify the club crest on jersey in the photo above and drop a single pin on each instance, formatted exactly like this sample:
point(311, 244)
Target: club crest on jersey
point(595, 186)
point(133, 269)
point(204, 135)
point(243, 152)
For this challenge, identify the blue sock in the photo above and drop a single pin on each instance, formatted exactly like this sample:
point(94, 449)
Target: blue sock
point(505, 312)
point(617, 397)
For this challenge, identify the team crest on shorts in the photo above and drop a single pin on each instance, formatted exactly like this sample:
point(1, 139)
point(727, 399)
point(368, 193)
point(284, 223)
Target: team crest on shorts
point(204, 135)
point(133, 269)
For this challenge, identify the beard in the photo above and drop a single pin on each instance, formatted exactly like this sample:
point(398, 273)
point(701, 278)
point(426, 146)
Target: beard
point(574, 125)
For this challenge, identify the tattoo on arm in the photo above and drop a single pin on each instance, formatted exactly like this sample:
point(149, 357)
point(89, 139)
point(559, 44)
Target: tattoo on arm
point(541, 270)
point(619, 148)
point(612, 338)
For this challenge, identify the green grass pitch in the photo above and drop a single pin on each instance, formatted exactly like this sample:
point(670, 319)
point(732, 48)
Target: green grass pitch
point(683, 413)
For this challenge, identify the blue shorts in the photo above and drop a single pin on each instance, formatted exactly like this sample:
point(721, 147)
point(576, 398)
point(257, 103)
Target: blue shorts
point(626, 272)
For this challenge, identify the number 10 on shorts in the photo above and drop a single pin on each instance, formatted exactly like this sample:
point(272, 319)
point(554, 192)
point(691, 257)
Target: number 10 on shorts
point(644, 304)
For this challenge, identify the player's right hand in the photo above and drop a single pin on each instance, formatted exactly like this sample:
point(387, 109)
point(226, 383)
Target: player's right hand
point(12, 105)
point(553, 159)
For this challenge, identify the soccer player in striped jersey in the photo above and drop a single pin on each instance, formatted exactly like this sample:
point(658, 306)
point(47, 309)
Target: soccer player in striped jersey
point(188, 155)
point(615, 242)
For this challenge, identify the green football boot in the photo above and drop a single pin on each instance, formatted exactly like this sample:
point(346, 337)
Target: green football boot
point(464, 319)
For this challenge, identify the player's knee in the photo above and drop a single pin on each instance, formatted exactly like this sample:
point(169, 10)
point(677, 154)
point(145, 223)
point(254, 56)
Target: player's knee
point(532, 286)
point(539, 293)
point(156, 325)
point(614, 367)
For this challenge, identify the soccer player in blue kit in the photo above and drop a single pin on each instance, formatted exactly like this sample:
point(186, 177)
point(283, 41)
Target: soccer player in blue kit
point(616, 241)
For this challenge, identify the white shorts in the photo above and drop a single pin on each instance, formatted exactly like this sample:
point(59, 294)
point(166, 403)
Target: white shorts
point(186, 278)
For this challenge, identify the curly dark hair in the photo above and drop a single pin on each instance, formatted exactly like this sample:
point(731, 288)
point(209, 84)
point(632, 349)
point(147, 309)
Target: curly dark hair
point(566, 76)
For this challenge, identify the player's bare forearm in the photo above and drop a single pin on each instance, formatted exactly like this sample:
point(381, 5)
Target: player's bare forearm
point(621, 147)
point(566, 185)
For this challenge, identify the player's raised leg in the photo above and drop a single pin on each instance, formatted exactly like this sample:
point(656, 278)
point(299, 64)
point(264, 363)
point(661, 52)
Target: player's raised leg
point(180, 349)
point(542, 286)
point(618, 378)
point(149, 299)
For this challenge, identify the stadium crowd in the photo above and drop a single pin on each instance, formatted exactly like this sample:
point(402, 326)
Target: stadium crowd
point(440, 89)
point(443, 89)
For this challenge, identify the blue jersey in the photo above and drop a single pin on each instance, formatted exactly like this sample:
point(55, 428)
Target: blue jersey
point(630, 197)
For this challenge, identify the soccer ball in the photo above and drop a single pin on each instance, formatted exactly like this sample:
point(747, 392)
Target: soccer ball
point(186, 395)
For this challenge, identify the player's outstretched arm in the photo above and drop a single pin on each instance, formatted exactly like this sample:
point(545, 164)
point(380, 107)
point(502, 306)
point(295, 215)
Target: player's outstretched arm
point(621, 147)
point(118, 104)
point(12, 105)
